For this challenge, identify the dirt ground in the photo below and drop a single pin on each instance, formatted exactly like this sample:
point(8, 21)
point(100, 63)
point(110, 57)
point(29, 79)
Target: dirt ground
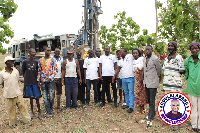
point(91, 119)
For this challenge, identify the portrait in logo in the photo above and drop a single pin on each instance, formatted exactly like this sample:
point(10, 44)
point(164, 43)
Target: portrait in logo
point(174, 108)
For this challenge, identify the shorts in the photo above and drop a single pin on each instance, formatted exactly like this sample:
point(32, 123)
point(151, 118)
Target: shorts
point(32, 91)
point(58, 86)
point(119, 83)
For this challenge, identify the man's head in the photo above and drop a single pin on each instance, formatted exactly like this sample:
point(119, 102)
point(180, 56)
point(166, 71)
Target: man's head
point(175, 105)
point(78, 54)
point(47, 51)
point(57, 52)
point(107, 50)
point(123, 52)
point(194, 48)
point(118, 54)
point(70, 54)
point(91, 53)
point(32, 52)
point(172, 47)
point(98, 52)
point(148, 50)
point(9, 61)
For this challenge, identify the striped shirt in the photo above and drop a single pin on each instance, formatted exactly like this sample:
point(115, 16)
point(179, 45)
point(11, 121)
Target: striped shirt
point(172, 78)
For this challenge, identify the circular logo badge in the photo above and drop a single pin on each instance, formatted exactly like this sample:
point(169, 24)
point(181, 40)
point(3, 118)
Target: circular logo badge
point(174, 108)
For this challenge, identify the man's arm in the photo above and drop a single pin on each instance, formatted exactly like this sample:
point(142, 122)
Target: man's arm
point(78, 71)
point(158, 67)
point(63, 71)
point(115, 65)
point(23, 67)
point(116, 73)
point(100, 71)
point(39, 74)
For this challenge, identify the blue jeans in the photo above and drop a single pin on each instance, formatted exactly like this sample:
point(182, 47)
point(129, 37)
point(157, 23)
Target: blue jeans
point(89, 82)
point(71, 92)
point(48, 95)
point(128, 86)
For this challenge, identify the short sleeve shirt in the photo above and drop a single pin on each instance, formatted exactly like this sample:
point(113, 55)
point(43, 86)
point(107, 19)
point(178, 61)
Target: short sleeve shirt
point(30, 67)
point(108, 64)
point(59, 65)
point(91, 64)
point(11, 85)
point(126, 65)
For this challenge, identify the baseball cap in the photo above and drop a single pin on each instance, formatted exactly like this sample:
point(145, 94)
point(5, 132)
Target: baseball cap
point(8, 58)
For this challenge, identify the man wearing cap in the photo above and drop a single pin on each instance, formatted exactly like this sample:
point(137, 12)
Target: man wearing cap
point(47, 69)
point(173, 68)
point(58, 84)
point(9, 76)
point(70, 68)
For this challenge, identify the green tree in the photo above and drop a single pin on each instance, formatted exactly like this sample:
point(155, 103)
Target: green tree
point(122, 33)
point(180, 23)
point(7, 9)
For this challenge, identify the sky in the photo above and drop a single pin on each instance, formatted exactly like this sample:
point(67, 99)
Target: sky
point(65, 16)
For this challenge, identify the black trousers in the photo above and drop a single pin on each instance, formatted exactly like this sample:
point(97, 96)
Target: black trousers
point(81, 93)
point(107, 80)
point(98, 89)
point(151, 95)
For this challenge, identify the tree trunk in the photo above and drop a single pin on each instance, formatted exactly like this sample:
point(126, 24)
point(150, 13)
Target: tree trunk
point(199, 17)
point(156, 23)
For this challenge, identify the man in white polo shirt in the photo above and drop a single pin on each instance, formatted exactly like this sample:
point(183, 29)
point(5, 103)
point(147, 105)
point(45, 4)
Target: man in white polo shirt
point(107, 66)
point(128, 79)
point(91, 66)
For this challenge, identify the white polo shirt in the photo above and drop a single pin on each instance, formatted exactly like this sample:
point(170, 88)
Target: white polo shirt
point(126, 65)
point(108, 64)
point(91, 64)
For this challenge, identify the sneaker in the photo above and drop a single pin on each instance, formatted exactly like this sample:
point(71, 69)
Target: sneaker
point(125, 106)
point(86, 105)
point(149, 123)
point(76, 108)
point(68, 108)
point(101, 105)
point(116, 105)
point(194, 129)
point(130, 110)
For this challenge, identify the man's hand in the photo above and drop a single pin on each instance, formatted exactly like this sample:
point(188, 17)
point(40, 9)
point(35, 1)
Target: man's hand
point(101, 78)
point(48, 80)
point(80, 81)
point(39, 84)
point(113, 79)
point(85, 81)
point(62, 81)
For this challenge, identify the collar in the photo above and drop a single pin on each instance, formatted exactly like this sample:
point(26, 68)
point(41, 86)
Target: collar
point(191, 58)
point(56, 58)
point(8, 72)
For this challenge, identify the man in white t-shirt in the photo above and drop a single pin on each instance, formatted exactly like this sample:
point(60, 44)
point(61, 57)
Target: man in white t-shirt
point(128, 79)
point(58, 84)
point(91, 66)
point(107, 66)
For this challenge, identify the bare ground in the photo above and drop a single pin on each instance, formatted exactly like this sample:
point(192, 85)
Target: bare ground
point(91, 119)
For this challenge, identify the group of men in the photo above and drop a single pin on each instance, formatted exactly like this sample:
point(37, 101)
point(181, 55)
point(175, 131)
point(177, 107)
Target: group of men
point(50, 73)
